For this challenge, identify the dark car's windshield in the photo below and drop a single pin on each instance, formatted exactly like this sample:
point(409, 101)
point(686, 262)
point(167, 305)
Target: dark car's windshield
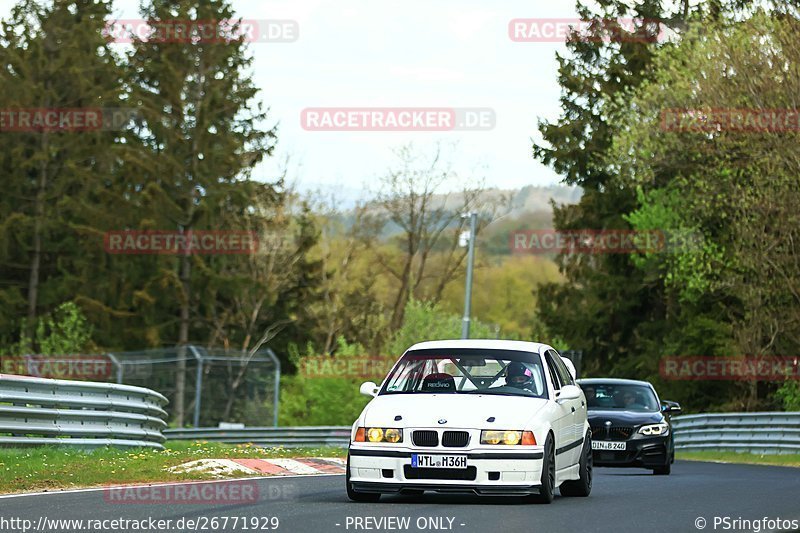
point(623, 397)
point(468, 371)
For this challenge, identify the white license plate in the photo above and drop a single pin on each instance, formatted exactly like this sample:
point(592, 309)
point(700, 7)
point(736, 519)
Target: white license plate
point(607, 445)
point(419, 460)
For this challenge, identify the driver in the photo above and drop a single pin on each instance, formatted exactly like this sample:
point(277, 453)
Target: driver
point(629, 401)
point(520, 376)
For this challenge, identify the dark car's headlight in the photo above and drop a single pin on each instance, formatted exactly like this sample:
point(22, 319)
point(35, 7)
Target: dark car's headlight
point(508, 437)
point(391, 435)
point(661, 428)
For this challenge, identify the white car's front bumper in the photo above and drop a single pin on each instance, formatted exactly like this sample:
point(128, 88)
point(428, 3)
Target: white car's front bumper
point(489, 471)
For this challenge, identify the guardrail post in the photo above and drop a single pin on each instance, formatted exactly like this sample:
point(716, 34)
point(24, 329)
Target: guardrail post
point(198, 385)
point(118, 366)
point(277, 394)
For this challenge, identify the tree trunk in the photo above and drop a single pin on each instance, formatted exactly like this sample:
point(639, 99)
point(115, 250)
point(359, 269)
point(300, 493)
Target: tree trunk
point(185, 275)
point(36, 259)
point(400, 302)
point(183, 341)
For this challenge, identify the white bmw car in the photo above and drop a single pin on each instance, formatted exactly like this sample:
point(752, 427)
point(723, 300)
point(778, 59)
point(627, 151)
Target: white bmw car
point(487, 417)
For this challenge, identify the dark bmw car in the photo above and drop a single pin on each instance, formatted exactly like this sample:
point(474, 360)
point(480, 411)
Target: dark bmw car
point(630, 426)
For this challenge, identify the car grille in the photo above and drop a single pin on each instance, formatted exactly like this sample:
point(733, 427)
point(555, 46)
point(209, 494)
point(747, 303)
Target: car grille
point(462, 474)
point(611, 433)
point(425, 438)
point(455, 439)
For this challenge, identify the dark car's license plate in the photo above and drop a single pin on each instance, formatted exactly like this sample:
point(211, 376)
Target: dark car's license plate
point(608, 445)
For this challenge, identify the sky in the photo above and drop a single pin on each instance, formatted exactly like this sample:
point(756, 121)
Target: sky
point(402, 53)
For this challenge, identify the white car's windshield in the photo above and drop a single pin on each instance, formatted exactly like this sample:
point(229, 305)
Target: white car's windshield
point(468, 371)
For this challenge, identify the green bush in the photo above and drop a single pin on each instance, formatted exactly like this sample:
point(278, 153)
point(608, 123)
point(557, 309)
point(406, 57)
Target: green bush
point(428, 322)
point(789, 394)
point(64, 331)
point(310, 399)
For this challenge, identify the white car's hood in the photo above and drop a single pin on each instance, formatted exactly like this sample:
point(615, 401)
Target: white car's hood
point(459, 410)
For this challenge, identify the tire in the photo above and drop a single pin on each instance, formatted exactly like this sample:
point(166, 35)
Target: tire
point(583, 486)
point(663, 470)
point(547, 490)
point(364, 497)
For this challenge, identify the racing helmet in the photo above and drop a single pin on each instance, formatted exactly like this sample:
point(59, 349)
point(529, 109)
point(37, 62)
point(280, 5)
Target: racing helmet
point(518, 375)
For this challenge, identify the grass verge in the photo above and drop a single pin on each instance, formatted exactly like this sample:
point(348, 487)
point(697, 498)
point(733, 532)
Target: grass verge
point(55, 468)
point(743, 458)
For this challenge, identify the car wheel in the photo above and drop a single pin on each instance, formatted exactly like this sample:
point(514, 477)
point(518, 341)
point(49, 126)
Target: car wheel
point(368, 497)
point(547, 489)
point(663, 470)
point(583, 485)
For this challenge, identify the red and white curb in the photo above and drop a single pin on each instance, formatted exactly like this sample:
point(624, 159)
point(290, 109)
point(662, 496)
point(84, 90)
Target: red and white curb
point(306, 466)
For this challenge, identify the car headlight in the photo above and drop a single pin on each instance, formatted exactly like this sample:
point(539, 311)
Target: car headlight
point(391, 435)
point(508, 437)
point(655, 429)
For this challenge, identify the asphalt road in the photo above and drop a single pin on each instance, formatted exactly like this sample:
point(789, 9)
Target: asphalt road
point(622, 500)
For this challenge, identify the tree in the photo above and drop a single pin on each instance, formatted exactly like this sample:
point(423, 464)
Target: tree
point(412, 200)
point(348, 306)
point(201, 136)
point(735, 192)
point(505, 293)
point(54, 58)
point(606, 305)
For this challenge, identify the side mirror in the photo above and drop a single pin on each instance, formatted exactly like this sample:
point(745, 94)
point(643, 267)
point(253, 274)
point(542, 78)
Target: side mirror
point(570, 366)
point(672, 408)
point(368, 388)
point(569, 392)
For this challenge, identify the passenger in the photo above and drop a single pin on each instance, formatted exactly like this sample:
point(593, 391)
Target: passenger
point(591, 396)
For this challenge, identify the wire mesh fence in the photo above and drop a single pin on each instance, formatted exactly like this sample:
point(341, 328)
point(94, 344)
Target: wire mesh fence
point(218, 386)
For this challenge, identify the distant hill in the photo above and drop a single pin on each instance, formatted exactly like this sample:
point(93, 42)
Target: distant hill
point(532, 199)
point(519, 202)
point(525, 208)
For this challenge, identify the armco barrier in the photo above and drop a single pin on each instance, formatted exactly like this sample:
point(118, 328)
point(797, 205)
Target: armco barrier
point(289, 437)
point(743, 432)
point(37, 411)
point(767, 433)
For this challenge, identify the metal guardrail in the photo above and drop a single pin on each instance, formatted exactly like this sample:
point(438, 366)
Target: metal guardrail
point(767, 433)
point(38, 411)
point(289, 437)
